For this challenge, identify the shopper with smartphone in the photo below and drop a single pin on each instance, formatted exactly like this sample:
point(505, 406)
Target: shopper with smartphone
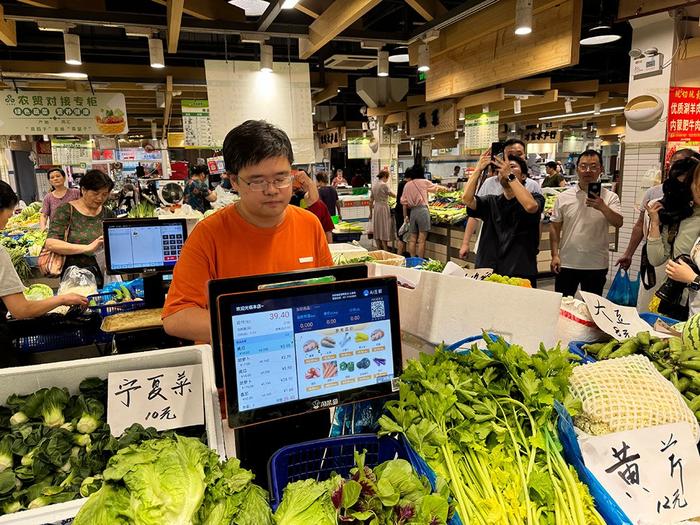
point(511, 234)
point(579, 239)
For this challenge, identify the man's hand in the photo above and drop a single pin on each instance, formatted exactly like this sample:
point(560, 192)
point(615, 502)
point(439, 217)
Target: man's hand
point(596, 203)
point(504, 169)
point(463, 252)
point(555, 265)
point(624, 262)
point(483, 161)
point(71, 299)
point(680, 271)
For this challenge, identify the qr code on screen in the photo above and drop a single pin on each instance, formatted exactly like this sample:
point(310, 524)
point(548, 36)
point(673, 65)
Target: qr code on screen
point(378, 310)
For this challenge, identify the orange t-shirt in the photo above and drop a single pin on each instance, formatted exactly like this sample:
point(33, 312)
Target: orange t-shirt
point(225, 245)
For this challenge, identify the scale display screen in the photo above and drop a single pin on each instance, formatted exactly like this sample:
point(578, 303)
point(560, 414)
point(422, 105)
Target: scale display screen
point(136, 246)
point(299, 349)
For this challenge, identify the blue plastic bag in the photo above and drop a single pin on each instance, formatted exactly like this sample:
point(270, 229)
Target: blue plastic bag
point(623, 290)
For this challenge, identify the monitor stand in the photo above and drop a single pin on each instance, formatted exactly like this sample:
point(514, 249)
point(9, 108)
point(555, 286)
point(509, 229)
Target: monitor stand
point(154, 289)
point(256, 444)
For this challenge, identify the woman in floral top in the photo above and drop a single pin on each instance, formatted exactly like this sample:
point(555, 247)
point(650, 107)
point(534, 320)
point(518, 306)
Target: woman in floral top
point(83, 220)
point(59, 195)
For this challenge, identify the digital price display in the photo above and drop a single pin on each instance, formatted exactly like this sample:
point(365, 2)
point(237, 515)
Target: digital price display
point(310, 344)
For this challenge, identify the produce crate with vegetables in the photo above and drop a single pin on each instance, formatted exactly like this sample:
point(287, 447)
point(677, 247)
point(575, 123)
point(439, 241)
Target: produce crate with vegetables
point(18, 382)
point(485, 423)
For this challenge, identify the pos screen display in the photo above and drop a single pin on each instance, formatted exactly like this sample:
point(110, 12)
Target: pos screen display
point(292, 350)
point(143, 245)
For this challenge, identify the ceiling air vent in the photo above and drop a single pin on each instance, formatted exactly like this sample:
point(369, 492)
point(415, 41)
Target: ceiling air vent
point(351, 62)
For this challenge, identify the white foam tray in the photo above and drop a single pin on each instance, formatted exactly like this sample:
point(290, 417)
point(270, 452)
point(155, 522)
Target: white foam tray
point(69, 374)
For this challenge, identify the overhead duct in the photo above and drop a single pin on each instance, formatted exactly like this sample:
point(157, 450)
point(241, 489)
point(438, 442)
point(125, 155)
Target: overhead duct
point(377, 92)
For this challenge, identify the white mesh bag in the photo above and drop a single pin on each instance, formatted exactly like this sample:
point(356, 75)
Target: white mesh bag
point(627, 393)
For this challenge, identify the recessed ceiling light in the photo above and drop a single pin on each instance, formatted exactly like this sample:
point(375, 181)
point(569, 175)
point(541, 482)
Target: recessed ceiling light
point(289, 4)
point(399, 55)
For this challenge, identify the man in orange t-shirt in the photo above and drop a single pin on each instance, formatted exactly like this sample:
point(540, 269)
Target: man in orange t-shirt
point(259, 234)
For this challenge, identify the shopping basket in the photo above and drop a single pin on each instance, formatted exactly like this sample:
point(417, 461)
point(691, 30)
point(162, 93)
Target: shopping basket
point(320, 458)
point(53, 332)
point(100, 307)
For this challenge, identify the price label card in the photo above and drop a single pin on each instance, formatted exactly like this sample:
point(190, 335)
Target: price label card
point(163, 398)
point(478, 274)
point(621, 322)
point(653, 474)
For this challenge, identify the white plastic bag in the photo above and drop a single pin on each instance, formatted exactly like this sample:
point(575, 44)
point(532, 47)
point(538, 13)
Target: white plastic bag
point(576, 324)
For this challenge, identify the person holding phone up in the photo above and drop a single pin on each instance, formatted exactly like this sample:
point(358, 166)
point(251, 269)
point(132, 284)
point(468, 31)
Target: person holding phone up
point(511, 232)
point(579, 239)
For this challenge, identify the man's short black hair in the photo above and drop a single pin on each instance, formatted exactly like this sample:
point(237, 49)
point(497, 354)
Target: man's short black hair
point(200, 170)
point(521, 163)
point(457, 168)
point(590, 153)
point(511, 142)
point(322, 177)
point(252, 142)
point(551, 164)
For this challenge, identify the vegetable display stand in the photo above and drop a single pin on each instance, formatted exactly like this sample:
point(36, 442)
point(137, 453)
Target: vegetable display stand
point(69, 374)
point(604, 503)
point(320, 458)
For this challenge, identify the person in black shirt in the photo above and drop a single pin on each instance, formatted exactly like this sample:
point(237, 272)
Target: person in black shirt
point(511, 233)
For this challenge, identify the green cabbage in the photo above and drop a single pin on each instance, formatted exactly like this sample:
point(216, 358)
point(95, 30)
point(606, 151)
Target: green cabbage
point(37, 292)
point(307, 502)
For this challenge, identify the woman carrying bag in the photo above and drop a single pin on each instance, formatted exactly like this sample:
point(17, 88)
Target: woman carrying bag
point(11, 288)
point(76, 230)
point(415, 200)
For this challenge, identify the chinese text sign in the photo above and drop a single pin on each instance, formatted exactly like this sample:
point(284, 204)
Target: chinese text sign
point(684, 114)
point(621, 322)
point(163, 398)
point(653, 473)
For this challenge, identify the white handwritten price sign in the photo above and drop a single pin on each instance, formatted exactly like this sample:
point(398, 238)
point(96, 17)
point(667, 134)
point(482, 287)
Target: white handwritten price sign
point(163, 398)
point(653, 474)
point(621, 322)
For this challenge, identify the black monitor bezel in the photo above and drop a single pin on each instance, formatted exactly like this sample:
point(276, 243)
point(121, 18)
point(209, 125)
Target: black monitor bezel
point(249, 283)
point(238, 419)
point(147, 222)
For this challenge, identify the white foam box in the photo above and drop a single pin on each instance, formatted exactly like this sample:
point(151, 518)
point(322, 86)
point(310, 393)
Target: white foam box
point(450, 308)
point(69, 374)
point(347, 250)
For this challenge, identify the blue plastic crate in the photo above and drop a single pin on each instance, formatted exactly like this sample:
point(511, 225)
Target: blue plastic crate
point(605, 504)
point(651, 318)
point(105, 310)
point(55, 341)
point(412, 262)
point(320, 458)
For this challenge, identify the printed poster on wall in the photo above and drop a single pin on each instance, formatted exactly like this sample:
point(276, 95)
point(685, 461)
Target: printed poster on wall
point(239, 91)
point(480, 130)
point(70, 152)
point(684, 114)
point(62, 113)
point(196, 123)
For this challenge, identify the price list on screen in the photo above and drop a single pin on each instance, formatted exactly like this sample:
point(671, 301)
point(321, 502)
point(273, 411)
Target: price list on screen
point(265, 358)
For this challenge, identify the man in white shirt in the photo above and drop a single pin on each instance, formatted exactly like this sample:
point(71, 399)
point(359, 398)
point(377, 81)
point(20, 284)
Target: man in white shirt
point(579, 239)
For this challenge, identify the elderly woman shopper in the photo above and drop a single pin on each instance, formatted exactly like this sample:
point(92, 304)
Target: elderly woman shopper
point(60, 194)
point(76, 230)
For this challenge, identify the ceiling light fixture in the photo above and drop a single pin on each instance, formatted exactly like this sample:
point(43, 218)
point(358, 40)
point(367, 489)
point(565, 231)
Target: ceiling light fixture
point(581, 113)
point(485, 108)
point(613, 121)
point(517, 106)
point(423, 58)
point(596, 109)
point(251, 7)
point(46, 138)
point(71, 46)
point(461, 114)
point(73, 75)
point(523, 17)
point(399, 127)
point(399, 55)
point(568, 107)
point(601, 33)
point(313, 110)
point(457, 134)
point(155, 51)
point(383, 64)
point(266, 58)
point(432, 137)
point(289, 4)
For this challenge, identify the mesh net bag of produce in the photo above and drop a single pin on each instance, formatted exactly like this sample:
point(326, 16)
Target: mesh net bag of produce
point(627, 393)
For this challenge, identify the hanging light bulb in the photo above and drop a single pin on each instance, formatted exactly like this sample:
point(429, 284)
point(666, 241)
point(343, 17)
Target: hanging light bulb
point(457, 134)
point(423, 58)
point(461, 114)
point(485, 108)
point(517, 106)
point(568, 107)
point(266, 58)
point(71, 46)
point(613, 121)
point(523, 17)
point(155, 52)
point(383, 64)
point(596, 109)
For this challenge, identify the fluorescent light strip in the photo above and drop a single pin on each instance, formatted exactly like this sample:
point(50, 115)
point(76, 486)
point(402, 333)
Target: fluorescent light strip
point(580, 114)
